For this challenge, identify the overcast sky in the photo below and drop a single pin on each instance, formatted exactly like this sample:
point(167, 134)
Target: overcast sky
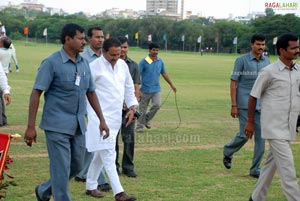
point(217, 8)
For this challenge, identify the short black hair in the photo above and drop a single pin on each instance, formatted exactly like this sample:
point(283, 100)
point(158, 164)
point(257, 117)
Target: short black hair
point(258, 37)
point(111, 42)
point(70, 30)
point(283, 41)
point(6, 42)
point(153, 45)
point(123, 39)
point(90, 30)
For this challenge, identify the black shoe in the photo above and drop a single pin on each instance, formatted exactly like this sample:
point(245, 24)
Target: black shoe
point(250, 199)
point(130, 173)
point(148, 125)
point(227, 162)
point(104, 187)
point(256, 176)
point(37, 194)
point(80, 179)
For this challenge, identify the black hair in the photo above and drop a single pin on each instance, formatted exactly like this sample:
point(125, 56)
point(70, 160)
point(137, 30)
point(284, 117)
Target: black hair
point(90, 30)
point(283, 41)
point(70, 30)
point(111, 42)
point(123, 39)
point(258, 37)
point(153, 45)
point(6, 42)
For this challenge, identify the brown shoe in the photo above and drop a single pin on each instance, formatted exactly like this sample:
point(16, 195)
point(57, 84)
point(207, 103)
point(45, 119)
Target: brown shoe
point(94, 193)
point(124, 197)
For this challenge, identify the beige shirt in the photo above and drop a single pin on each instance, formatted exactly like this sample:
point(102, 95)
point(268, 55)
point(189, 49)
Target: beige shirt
point(279, 91)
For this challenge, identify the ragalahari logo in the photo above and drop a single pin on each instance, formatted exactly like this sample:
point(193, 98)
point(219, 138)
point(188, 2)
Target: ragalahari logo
point(282, 6)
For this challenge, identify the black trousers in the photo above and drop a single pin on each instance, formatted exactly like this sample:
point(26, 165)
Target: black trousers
point(3, 118)
point(128, 139)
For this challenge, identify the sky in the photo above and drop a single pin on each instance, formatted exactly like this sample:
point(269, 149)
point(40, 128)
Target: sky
point(217, 8)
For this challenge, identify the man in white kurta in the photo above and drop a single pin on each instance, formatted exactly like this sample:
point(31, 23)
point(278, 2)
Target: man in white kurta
point(113, 86)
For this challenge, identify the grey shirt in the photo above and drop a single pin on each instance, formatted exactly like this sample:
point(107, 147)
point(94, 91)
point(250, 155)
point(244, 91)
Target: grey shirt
point(134, 70)
point(89, 54)
point(278, 89)
point(65, 99)
point(245, 72)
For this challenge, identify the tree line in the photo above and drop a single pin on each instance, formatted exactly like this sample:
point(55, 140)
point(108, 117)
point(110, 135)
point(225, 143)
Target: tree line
point(216, 35)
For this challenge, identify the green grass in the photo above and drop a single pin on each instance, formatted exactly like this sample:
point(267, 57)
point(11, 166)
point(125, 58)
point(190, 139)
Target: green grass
point(173, 164)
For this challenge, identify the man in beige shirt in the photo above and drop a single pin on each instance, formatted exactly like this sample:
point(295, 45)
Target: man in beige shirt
point(278, 87)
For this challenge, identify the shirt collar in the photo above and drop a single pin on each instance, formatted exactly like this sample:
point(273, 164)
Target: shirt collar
point(91, 52)
point(262, 57)
point(66, 58)
point(282, 66)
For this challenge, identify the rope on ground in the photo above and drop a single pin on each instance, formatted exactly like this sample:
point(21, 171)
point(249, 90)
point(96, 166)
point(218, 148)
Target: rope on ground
point(177, 108)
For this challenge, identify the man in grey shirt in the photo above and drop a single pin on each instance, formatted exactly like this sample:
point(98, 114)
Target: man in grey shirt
point(65, 79)
point(278, 87)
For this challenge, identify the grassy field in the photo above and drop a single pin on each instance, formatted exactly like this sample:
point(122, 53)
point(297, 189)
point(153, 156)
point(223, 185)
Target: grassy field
point(172, 163)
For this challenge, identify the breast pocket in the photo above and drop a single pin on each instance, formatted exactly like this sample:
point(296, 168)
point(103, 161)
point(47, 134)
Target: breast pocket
point(281, 88)
point(85, 81)
point(67, 81)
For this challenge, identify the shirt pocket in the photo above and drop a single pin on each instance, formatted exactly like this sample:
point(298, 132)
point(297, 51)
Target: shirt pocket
point(281, 88)
point(67, 81)
point(85, 81)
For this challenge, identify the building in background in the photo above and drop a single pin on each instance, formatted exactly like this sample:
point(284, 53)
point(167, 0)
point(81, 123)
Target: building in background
point(164, 8)
point(154, 6)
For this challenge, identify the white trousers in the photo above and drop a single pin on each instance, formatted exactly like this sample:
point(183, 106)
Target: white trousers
point(104, 159)
point(280, 158)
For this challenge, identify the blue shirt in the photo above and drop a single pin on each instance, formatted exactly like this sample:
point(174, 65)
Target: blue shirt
point(89, 54)
point(65, 101)
point(245, 72)
point(150, 74)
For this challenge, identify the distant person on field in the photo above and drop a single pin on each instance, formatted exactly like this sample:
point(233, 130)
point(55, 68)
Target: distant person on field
point(151, 67)
point(4, 60)
point(277, 86)
point(127, 132)
point(2, 30)
point(13, 53)
point(244, 74)
point(66, 81)
point(95, 38)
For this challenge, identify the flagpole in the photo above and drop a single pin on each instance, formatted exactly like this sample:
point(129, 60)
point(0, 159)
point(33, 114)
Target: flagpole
point(166, 45)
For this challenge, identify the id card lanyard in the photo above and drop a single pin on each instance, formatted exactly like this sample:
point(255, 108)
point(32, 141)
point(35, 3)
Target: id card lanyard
point(77, 77)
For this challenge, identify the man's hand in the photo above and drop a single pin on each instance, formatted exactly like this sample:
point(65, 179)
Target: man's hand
point(234, 111)
point(7, 99)
point(104, 127)
point(130, 116)
point(30, 136)
point(249, 130)
point(174, 88)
